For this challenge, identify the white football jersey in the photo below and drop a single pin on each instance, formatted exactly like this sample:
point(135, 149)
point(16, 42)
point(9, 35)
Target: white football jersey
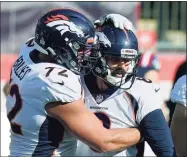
point(122, 109)
point(32, 86)
point(178, 93)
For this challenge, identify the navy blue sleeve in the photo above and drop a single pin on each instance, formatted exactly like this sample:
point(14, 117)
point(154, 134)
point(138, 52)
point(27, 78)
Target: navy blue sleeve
point(157, 133)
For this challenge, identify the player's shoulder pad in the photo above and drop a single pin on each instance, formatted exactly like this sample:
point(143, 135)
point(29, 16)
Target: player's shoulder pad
point(29, 42)
point(61, 83)
point(142, 86)
point(178, 93)
point(147, 96)
point(27, 47)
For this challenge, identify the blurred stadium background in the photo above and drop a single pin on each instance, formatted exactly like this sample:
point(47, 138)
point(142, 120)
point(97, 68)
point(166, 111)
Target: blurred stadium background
point(161, 27)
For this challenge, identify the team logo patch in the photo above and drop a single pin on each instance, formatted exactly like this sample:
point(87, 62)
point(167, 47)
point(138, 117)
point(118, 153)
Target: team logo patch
point(101, 38)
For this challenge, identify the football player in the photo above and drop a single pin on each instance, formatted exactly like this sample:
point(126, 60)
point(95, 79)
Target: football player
point(178, 123)
point(120, 99)
point(45, 103)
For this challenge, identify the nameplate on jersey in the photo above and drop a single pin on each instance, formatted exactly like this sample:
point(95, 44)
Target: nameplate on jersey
point(20, 68)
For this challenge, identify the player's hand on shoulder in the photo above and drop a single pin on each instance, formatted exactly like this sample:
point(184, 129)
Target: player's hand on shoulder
point(118, 20)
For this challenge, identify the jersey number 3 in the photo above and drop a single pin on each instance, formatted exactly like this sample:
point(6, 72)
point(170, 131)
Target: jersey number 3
point(14, 91)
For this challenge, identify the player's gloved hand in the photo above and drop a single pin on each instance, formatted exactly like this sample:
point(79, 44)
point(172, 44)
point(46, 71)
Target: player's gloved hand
point(118, 20)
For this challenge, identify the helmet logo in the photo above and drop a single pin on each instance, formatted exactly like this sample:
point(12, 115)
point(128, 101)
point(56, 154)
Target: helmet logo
point(103, 39)
point(63, 25)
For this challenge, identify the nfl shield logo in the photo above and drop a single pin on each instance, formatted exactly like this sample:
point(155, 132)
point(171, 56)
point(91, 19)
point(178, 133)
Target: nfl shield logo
point(99, 98)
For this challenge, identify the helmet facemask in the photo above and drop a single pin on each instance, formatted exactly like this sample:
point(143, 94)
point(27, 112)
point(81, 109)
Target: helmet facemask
point(86, 58)
point(117, 75)
point(80, 62)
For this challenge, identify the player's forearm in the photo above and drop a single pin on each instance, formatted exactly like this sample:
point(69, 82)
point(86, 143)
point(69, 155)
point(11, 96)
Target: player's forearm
point(84, 125)
point(120, 139)
point(156, 132)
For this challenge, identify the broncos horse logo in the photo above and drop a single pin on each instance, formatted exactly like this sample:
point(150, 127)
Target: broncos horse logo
point(101, 38)
point(61, 23)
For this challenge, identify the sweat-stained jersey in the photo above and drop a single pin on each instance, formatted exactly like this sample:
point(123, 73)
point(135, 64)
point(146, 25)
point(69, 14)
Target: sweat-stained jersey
point(120, 108)
point(32, 86)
